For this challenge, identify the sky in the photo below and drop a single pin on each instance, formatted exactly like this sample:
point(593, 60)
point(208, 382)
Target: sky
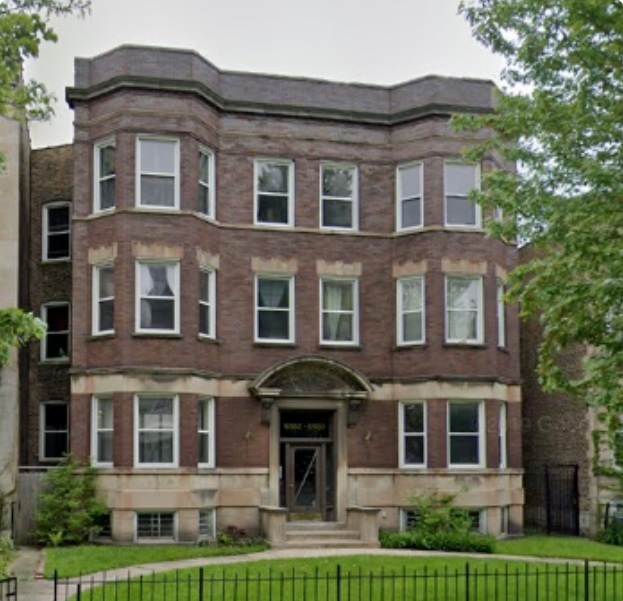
point(367, 41)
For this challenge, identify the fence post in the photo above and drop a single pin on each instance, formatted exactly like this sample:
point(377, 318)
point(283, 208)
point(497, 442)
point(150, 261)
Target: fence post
point(587, 572)
point(200, 584)
point(338, 582)
point(55, 585)
point(467, 582)
point(79, 592)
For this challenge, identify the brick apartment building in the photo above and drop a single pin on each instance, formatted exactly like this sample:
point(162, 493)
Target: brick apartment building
point(269, 301)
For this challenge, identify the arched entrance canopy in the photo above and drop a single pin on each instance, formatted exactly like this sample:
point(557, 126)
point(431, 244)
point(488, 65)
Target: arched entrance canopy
point(311, 377)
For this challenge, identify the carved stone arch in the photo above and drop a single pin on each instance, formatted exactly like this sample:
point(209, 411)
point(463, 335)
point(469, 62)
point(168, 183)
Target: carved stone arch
point(311, 377)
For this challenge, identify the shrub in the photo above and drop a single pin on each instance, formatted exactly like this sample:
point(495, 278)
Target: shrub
point(68, 507)
point(439, 526)
point(233, 536)
point(612, 534)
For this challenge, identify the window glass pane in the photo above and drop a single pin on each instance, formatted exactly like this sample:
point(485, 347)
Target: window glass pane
point(204, 415)
point(463, 325)
point(411, 295)
point(412, 326)
point(338, 328)
point(58, 219)
point(55, 444)
point(107, 283)
point(104, 414)
point(414, 449)
point(107, 161)
point(410, 182)
point(337, 296)
point(337, 213)
point(460, 179)
point(411, 216)
point(204, 199)
point(155, 447)
point(57, 346)
point(204, 167)
point(57, 317)
point(460, 211)
point(155, 413)
point(158, 156)
point(107, 194)
point(272, 209)
point(104, 447)
point(337, 182)
point(157, 314)
point(272, 177)
point(107, 315)
point(273, 293)
point(58, 246)
point(204, 286)
point(204, 448)
point(464, 417)
point(414, 418)
point(464, 450)
point(157, 190)
point(273, 325)
point(55, 417)
point(463, 293)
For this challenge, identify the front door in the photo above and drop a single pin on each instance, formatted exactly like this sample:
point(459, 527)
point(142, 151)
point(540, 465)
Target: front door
point(305, 475)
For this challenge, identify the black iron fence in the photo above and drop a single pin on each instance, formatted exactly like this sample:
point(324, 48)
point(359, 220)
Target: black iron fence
point(8, 589)
point(514, 581)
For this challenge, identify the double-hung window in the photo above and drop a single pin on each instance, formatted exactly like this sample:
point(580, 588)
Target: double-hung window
point(157, 172)
point(409, 205)
point(156, 435)
point(206, 182)
point(56, 231)
point(502, 438)
point(53, 430)
point(274, 302)
point(103, 299)
point(274, 192)
point(465, 434)
point(55, 343)
point(102, 431)
point(338, 196)
point(459, 180)
point(464, 309)
point(157, 296)
point(104, 176)
point(339, 323)
point(412, 444)
point(207, 303)
point(410, 297)
point(206, 432)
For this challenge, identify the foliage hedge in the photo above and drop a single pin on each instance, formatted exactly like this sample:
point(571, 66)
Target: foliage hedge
point(465, 542)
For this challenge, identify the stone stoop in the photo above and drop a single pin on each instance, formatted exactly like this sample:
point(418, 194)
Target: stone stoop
point(325, 535)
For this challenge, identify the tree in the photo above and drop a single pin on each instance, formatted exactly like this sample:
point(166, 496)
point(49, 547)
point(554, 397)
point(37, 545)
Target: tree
point(560, 119)
point(24, 25)
point(17, 328)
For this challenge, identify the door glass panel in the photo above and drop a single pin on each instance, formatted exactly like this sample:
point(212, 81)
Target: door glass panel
point(305, 471)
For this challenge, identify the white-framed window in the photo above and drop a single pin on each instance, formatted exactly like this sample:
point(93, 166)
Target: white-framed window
point(459, 180)
point(274, 308)
point(274, 192)
point(53, 430)
point(501, 313)
point(338, 196)
point(207, 524)
point(206, 182)
point(412, 427)
point(156, 431)
point(409, 196)
point(207, 303)
point(339, 321)
point(410, 308)
point(55, 343)
point(56, 243)
point(464, 309)
point(102, 431)
point(103, 299)
point(157, 172)
point(408, 519)
point(155, 525)
point(502, 435)
point(157, 297)
point(205, 412)
point(104, 175)
point(466, 443)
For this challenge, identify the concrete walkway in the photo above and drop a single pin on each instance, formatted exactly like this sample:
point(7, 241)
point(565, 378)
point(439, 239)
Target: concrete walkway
point(29, 562)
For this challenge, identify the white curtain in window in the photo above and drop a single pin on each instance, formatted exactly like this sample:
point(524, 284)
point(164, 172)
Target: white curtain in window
point(273, 293)
point(155, 281)
point(333, 302)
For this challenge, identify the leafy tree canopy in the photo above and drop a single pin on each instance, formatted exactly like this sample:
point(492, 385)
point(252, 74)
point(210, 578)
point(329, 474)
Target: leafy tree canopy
point(17, 328)
point(560, 118)
point(24, 25)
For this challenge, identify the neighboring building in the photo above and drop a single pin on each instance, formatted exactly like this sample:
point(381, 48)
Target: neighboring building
point(282, 304)
point(14, 145)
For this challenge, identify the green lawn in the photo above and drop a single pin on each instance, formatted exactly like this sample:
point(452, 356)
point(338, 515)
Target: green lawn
point(563, 547)
point(372, 577)
point(86, 559)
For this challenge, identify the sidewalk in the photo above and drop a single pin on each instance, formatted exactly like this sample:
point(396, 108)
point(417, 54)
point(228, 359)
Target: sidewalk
point(28, 565)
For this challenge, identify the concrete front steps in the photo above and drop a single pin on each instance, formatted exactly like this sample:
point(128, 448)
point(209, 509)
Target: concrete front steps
point(324, 535)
